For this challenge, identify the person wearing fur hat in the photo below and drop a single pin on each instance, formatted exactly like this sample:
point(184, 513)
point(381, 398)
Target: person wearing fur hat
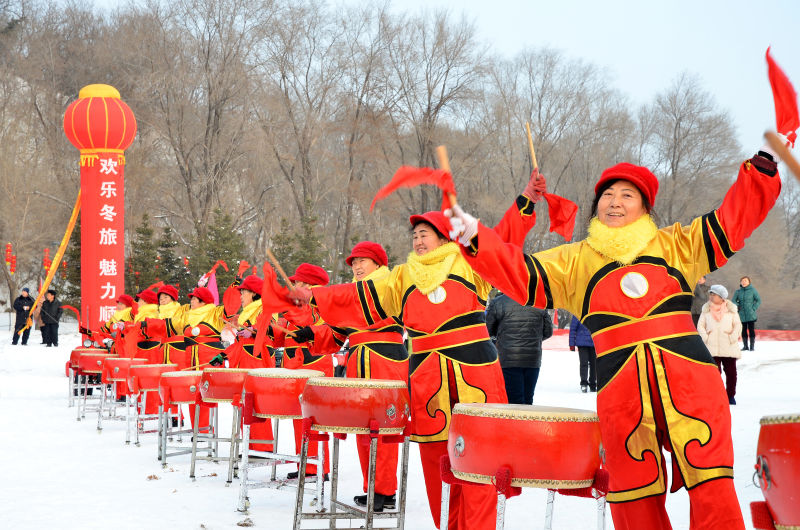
point(630, 283)
point(440, 301)
point(719, 327)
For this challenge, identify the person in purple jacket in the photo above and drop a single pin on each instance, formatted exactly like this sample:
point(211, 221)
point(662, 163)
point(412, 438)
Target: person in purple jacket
point(579, 336)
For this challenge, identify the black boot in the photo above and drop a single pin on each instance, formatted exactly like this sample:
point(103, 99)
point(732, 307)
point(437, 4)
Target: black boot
point(752, 344)
point(379, 504)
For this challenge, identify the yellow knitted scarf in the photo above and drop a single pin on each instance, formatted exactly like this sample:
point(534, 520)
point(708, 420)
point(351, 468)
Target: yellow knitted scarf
point(250, 313)
point(624, 243)
point(430, 270)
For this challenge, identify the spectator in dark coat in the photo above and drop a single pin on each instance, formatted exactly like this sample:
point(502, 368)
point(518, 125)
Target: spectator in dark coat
point(22, 305)
point(51, 314)
point(518, 332)
point(747, 301)
point(579, 336)
point(699, 297)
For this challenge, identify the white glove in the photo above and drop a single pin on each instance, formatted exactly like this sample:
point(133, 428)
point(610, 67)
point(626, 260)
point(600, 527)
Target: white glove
point(768, 149)
point(464, 226)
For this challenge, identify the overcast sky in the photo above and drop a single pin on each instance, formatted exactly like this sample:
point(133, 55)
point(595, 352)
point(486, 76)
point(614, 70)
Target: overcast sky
point(645, 45)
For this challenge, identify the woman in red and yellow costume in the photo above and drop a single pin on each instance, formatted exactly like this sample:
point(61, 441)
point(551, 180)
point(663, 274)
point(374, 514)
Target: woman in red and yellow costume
point(241, 354)
point(146, 346)
point(173, 315)
point(440, 301)
point(374, 352)
point(304, 348)
point(630, 284)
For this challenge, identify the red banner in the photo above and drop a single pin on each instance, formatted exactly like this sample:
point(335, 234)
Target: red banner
point(102, 237)
point(101, 126)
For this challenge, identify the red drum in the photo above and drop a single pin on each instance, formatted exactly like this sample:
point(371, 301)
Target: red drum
point(145, 377)
point(545, 447)
point(337, 404)
point(77, 352)
point(116, 368)
point(222, 385)
point(276, 391)
point(178, 388)
point(778, 468)
point(92, 362)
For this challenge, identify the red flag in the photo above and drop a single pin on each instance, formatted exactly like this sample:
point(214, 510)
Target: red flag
point(787, 119)
point(274, 297)
point(562, 214)
point(409, 177)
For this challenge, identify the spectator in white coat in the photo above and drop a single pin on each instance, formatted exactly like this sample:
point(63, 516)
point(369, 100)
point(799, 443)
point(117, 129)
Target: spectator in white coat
point(719, 326)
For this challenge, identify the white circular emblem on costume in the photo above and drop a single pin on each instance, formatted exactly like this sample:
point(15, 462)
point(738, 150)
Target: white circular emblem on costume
point(634, 285)
point(438, 295)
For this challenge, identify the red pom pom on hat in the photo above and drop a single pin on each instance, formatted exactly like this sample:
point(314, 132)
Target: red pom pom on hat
point(640, 176)
point(310, 274)
point(368, 249)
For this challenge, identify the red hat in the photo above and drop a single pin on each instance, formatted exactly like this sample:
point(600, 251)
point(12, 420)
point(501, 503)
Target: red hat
point(125, 299)
point(368, 249)
point(169, 290)
point(436, 219)
point(252, 283)
point(641, 177)
point(148, 297)
point(203, 294)
point(310, 274)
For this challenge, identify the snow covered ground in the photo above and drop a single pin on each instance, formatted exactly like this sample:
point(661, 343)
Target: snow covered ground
point(60, 473)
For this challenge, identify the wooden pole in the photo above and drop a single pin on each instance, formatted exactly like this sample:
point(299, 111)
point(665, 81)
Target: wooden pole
point(783, 152)
point(444, 164)
point(274, 261)
point(530, 146)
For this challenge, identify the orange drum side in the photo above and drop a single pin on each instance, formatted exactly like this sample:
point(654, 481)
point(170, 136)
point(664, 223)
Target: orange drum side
point(778, 467)
point(544, 447)
point(92, 363)
point(276, 391)
point(145, 377)
point(177, 388)
point(348, 405)
point(222, 385)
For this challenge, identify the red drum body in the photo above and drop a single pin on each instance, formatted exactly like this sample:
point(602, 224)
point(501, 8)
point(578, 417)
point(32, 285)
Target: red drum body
point(222, 385)
point(115, 369)
point(545, 447)
point(77, 352)
point(343, 405)
point(92, 362)
point(177, 388)
point(778, 468)
point(145, 377)
point(276, 391)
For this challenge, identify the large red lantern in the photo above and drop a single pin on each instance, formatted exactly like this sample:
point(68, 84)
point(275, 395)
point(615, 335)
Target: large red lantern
point(101, 126)
point(9, 251)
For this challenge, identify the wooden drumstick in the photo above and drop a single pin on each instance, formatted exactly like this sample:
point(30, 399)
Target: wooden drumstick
point(444, 164)
point(783, 152)
point(194, 367)
point(274, 261)
point(530, 146)
point(288, 332)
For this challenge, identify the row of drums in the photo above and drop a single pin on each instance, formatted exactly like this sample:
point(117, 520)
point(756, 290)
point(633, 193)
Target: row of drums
point(334, 404)
point(482, 438)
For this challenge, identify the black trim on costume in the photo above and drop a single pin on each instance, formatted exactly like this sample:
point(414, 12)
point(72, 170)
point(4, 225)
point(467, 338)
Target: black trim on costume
point(680, 302)
point(689, 346)
point(362, 298)
point(377, 301)
point(469, 285)
point(708, 245)
point(610, 364)
point(405, 297)
point(525, 205)
point(600, 321)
